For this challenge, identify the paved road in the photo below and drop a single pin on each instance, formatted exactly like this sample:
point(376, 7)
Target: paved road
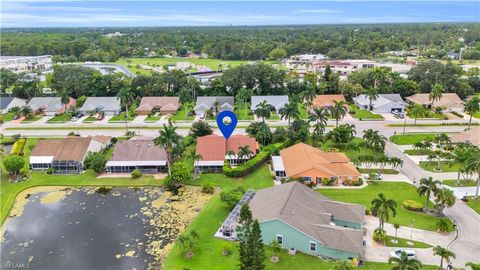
point(467, 245)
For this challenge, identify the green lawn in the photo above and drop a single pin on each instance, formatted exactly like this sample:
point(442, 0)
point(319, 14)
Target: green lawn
point(402, 242)
point(31, 119)
point(428, 114)
point(274, 116)
point(463, 183)
point(476, 115)
point(411, 138)
point(243, 112)
point(90, 119)
point(362, 150)
point(121, 118)
point(474, 204)
point(152, 119)
point(7, 117)
point(363, 114)
point(392, 190)
point(445, 166)
point(62, 118)
point(182, 113)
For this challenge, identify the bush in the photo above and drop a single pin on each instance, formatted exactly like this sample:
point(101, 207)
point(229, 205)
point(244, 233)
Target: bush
point(114, 140)
point(253, 163)
point(357, 183)
point(379, 236)
point(207, 188)
point(17, 148)
point(367, 211)
point(200, 128)
point(232, 197)
point(227, 248)
point(328, 182)
point(49, 171)
point(412, 205)
point(136, 173)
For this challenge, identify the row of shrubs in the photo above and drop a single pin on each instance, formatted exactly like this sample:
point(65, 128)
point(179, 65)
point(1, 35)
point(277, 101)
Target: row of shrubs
point(457, 114)
point(253, 163)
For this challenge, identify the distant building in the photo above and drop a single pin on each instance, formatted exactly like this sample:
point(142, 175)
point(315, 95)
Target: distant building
point(65, 156)
point(343, 67)
point(26, 63)
point(453, 55)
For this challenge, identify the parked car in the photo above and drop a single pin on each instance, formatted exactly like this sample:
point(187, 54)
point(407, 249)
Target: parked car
point(398, 114)
point(410, 253)
point(202, 116)
point(74, 119)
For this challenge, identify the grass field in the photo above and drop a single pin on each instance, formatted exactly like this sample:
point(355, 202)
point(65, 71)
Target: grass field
point(7, 117)
point(90, 119)
point(31, 119)
point(364, 114)
point(445, 166)
point(152, 119)
point(182, 113)
point(62, 118)
point(392, 190)
point(120, 118)
point(411, 138)
point(362, 150)
point(463, 183)
point(474, 204)
point(402, 242)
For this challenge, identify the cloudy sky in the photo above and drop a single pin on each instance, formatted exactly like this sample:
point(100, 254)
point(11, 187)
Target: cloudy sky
point(71, 13)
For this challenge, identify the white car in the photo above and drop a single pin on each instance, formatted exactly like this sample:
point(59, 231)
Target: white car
point(410, 253)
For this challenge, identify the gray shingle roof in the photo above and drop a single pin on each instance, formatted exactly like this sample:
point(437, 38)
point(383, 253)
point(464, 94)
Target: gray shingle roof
point(276, 101)
point(208, 101)
point(52, 104)
point(311, 213)
point(108, 104)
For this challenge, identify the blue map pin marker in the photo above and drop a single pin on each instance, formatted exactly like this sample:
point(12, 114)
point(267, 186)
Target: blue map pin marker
point(227, 130)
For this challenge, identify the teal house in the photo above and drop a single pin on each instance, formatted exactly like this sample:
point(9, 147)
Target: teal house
point(300, 218)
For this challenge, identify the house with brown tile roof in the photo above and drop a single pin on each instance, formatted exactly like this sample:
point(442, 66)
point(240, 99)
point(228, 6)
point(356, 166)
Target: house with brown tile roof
point(327, 101)
point(448, 102)
point(471, 135)
point(300, 218)
point(163, 105)
point(214, 150)
point(304, 161)
point(64, 156)
point(140, 153)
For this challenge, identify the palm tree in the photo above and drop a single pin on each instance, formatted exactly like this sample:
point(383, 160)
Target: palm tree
point(230, 154)
point(460, 155)
point(444, 198)
point(289, 111)
point(444, 254)
point(126, 98)
point(372, 95)
point(168, 140)
point(263, 110)
point(374, 139)
point(473, 266)
point(405, 263)
point(417, 111)
point(26, 111)
point(442, 225)
point(426, 187)
point(436, 93)
point(244, 94)
point(318, 115)
point(196, 159)
point(65, 99)
point(472, 106)
point(381, 207)
point(338, 110)
point(308, 95)
point(396, 226)
point(216, 105)
point(473, 165)
point(244, 152)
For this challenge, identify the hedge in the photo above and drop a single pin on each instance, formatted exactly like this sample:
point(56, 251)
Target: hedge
point(412, 205)
point(457, 114)
point(17, 148)
point(253, 163)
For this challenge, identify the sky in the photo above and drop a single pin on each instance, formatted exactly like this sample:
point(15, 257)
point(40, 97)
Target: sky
point(71, 13)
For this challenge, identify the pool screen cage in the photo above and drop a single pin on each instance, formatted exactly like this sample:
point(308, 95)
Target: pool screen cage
point(230, 224)
point(67, 167)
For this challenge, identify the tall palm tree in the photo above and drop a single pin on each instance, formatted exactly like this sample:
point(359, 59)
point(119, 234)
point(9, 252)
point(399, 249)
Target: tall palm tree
point(289, 111)
point(473, 165)
point(436, 93)
point(244, 152)
point(308, 95)
point(168, 140)
point(318, 115)
point(473, 266)
point(263, 110)
point(381, 207)
point(444, 254)
point(64, 99)
point(426, 187)
point(338, 110)
point(126, 98)
point(372, 94)
point(405, 263)
point(26, 111)
point(444, 198)
point(460, 155)
point(472, 106)
point(417, 111)
point(244, 95)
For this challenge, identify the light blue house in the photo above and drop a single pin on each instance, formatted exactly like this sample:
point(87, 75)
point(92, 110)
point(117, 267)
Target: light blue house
point(300, 218)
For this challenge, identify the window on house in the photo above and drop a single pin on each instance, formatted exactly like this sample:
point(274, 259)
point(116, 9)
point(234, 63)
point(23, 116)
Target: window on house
point(307, 178)
point(280, 239)
point(313, 246)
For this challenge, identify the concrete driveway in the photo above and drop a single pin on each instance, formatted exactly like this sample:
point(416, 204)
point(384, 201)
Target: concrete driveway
point(463, 191)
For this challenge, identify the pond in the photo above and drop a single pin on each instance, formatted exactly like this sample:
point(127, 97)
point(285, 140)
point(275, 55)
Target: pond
point(96, 228)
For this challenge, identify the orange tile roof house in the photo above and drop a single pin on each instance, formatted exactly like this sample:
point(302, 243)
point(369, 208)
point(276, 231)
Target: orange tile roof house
point(449, 101)
point(164, 105)
point(312, 164)
point(213, 150)
point(327, 100)
point(64, 156)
